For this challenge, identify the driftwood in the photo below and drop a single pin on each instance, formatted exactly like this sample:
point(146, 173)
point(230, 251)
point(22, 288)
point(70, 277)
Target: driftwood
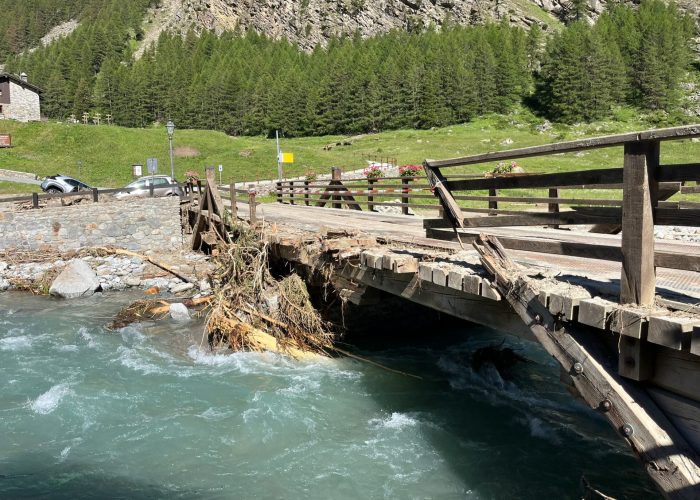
point(670, 461)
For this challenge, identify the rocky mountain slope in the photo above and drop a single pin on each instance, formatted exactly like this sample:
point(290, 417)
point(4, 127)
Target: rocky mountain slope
point(309, 22)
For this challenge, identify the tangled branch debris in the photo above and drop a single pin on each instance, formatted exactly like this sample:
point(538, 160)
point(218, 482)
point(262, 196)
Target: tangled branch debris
point(253, 311)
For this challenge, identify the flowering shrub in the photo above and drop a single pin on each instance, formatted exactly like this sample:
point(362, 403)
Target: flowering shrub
point(310, 176)
point(504, 168)
point(192, 176)
point(373, 172)
point(410, 170)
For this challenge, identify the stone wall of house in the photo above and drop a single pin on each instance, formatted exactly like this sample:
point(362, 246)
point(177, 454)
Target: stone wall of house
point(137, 224)
point(24, 104)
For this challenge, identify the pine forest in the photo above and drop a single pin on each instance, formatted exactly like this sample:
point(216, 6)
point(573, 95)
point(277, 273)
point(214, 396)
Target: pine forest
point(248, 84)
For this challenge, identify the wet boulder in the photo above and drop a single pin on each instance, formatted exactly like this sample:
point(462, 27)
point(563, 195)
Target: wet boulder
point(179, 312)
point(76, 280)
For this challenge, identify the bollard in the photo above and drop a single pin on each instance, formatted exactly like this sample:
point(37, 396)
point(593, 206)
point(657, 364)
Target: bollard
point(95, 195)
point(35, 200)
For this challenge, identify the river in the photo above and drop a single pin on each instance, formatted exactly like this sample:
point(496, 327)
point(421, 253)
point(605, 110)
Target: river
point(147, 413)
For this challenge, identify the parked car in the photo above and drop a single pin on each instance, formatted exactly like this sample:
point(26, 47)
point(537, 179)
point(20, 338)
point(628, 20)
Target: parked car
point(62, 184)
point(163, 185)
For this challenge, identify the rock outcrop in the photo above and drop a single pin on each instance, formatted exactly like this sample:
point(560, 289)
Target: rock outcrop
point(311, 22)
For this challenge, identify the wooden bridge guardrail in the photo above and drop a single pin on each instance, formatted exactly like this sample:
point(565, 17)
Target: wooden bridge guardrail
point(646, 186)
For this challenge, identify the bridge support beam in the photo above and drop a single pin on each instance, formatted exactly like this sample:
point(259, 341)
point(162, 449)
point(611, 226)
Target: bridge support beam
point(638, 281)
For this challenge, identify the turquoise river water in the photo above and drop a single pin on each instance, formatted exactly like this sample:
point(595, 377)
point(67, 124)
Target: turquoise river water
point(147, 413)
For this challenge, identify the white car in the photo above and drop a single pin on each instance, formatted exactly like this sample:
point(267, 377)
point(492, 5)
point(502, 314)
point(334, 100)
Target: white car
point(163, 185)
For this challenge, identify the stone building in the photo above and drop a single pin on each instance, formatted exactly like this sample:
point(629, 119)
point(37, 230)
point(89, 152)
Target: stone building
point(19, 99)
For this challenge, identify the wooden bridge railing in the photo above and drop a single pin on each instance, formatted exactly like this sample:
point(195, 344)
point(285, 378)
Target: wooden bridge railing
point(646, 185)
point(359, 194)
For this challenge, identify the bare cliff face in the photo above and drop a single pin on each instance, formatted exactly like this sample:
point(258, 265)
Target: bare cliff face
point(311, 22)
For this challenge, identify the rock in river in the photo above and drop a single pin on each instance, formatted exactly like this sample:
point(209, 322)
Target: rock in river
point(76, 280)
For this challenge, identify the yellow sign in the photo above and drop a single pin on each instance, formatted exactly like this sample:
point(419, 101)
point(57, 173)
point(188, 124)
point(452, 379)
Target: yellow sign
point(287, 157)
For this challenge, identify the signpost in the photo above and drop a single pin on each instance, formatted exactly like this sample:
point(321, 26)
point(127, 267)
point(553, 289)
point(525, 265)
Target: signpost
point(282, 157)
point(137, 170)
point(221, 169)
point(5, 141)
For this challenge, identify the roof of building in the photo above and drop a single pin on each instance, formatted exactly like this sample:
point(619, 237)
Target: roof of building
point(16, 79)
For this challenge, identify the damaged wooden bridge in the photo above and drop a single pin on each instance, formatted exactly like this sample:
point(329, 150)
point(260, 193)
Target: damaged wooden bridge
point(584, 277)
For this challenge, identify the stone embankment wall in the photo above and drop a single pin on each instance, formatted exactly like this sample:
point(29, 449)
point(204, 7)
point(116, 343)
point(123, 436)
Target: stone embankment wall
point(136, 224)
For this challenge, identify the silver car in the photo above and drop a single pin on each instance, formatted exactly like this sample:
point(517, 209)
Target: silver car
point(62, 184)
point(163, 185)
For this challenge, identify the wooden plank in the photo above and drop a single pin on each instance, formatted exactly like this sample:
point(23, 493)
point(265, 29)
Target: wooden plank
point(455, 280)
point(571, 146)
point(489, 290)
point(440, 276)
point(672, 332)
point(472, 284)
point(425, 271)
point(683, 412)
point(638, 281)
point(583, 355)
point(595, 312)
point(401, 264)
point(679, 173)
point(438, 184)
point(635, 359)
point(566, 304)
point(569, 217)
point(552, 201)
point(630, 323)
point(559, 246)
point(598, 176)
point(678, 372)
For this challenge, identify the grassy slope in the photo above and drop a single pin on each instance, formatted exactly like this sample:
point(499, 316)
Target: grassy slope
point(108, 152)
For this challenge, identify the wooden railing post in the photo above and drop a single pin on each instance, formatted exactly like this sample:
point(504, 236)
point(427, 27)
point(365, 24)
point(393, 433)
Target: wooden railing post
point(493, 204)
point(35, 200)
point(95, 195)
point(306, 193)
point(199, 188)
point(252, 213)
point(553, 207)
point(336, 175)
point(370, 198)
point(291, 192)
point(232, 195)
point(279, 191)
point(405, 181)
point(639, 199)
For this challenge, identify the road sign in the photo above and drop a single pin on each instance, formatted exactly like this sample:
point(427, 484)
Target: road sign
point(221, 168)
point(152, 164)
point(286, 158)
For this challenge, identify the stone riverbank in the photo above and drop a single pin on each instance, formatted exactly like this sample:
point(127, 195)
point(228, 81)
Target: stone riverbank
point(116, 273)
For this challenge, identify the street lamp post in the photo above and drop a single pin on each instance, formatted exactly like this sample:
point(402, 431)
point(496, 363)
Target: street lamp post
point(170, 126)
